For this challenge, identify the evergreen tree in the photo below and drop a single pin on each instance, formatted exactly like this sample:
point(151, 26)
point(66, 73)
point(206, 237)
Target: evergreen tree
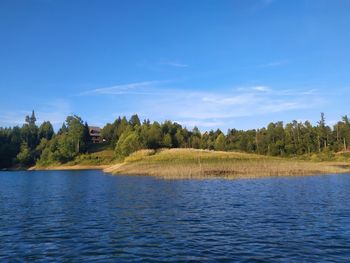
point(134, 120)
point(46, 130)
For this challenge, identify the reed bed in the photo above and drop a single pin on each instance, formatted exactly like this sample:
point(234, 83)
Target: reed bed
point(192, 163)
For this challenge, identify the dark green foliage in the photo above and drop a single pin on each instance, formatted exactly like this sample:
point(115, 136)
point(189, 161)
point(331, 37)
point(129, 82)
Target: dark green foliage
point(46, 130)
point(72, 139)
point(86, 140)
point(25, 157)
point(30, 131)
point(29, 144)
point(135, 121)
point(17, 145)
point(10, 142)
point(108, 132)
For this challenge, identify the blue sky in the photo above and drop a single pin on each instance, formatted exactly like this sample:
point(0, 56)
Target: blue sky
point(213, 64)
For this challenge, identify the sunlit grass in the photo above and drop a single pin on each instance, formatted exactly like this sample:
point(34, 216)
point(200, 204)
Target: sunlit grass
point(191, 163)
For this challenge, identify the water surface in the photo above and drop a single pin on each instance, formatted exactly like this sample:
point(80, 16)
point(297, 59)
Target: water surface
point(79, 216)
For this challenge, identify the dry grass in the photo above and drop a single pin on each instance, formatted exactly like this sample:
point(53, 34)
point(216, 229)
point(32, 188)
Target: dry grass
point(191, 163)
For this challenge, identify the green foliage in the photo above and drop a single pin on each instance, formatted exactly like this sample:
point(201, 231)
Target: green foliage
point(154, 136)
point(128, 143)
point(72, 140)
point(167, 141)
point(10, 142)
point(46, 130)
point(220, 143)
point(108, 132)
point(25, 157)
point(28, 144)
point(134, 120)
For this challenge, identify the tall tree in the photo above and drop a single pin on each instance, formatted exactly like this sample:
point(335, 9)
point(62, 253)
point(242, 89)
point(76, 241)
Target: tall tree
point(46, 130)
point(134, 120)
point(75, 128)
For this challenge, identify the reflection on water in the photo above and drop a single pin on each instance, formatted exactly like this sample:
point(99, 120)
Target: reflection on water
point(86, 215)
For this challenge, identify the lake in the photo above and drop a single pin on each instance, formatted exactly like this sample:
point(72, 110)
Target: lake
point(80, 216)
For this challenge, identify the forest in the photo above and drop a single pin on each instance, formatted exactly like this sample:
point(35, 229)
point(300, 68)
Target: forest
point(31, 144)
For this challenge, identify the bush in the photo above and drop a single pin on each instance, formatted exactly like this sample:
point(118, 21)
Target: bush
point(25, 157)
point(127, 144)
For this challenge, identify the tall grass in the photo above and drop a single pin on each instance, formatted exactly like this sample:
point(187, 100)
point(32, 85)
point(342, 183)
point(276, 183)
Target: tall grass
point(191, 163)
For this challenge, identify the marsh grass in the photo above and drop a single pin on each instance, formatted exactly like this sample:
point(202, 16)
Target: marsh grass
point(192, 163)
point(103, 157)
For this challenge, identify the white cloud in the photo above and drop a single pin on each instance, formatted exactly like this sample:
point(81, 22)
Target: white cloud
point(207, 109)
point(200, 123)
point(241, 99)
point(130, 88)
point(261, 88)
point(210, 109)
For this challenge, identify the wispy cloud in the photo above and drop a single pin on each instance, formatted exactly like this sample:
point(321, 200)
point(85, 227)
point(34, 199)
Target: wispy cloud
point(201, 123)
point(202, 107)
point(190, 107)
point(261, 88)
point(130, 88)
point(214, 109)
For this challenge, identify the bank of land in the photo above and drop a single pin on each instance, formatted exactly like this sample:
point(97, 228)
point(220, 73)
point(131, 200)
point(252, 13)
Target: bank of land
point(192, 163)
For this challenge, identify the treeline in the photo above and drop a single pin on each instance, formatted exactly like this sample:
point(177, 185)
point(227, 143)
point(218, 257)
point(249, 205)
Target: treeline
point(32, 144)
point(277, 139)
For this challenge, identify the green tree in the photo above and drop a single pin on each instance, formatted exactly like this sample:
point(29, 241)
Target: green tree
point(86, 138)
point(167, 141)
point(108, 132)
point(46, 130)
point(128, 143)
point(154, 138)
point(31, 119)
point(25, 157)
point(220, 143)
point(134, 120)
point(180, 141)
point(76, 128)
point(63, 129)
point(29, 131)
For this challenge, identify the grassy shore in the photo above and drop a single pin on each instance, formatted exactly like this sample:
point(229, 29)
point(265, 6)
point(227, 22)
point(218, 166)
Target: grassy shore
point(191, 163)
point(99, 158)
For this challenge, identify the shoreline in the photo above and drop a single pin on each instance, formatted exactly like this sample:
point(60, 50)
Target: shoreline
point(205, 164)
point(68, 167)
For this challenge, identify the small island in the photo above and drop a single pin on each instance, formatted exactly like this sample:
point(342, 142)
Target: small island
point(168, 150)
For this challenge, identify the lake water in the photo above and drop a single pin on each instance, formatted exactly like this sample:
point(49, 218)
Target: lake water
point(80, 216)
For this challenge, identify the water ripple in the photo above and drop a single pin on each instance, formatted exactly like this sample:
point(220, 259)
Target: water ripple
point(78, 216)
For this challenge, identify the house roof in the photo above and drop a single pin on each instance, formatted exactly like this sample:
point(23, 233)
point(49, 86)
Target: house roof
point(94, 128)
